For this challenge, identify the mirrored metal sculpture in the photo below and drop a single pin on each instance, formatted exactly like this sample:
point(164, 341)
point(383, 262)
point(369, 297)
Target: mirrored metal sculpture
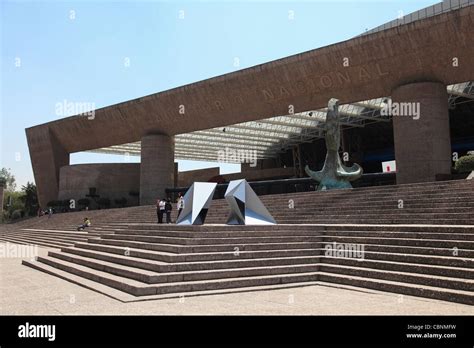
point(245, 206)
point(197, 200)
point(334, 174)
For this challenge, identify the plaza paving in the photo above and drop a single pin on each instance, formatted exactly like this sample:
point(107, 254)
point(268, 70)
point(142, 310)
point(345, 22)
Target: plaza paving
point(25, 291)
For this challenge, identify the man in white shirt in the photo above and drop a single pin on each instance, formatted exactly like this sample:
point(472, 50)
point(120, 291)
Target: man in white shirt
point(160, 209)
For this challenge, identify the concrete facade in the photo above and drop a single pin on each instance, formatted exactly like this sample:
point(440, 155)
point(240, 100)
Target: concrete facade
point(188, 177)
point(380, 62)
point(112, 180)
point(250, 174)
point(422, 142)
point(157, 167)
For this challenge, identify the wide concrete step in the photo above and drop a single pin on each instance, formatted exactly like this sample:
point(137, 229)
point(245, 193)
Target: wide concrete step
point(401, 228)
point(296, 229)
point(138, 288)
point(194, 257)
point(358, 220)
point(27, 235)
point(394, 265)
point(207, 248)
point(459, 255)
point(163, 267)
point(295, 233)
point(402, 276)
point(435, 243)
point(86, 232)
point(219, 234)
point(208, 241)
point(451, 295)
point(347, 204)
point(51, 234)
point(16, 240)
point(403, 235)
point(451, 258)
point(370, 260)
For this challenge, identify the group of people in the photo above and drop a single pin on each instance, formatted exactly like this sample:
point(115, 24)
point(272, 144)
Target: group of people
point(164, 207)
point(42, 212)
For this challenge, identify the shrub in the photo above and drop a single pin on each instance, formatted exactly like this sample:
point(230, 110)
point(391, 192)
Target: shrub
point(134, 193)
point(464, 164)
point(17, 214)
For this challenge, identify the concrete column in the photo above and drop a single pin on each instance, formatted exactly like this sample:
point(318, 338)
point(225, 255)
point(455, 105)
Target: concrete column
point(156, 168)
point(48, 155)
point(422, 146)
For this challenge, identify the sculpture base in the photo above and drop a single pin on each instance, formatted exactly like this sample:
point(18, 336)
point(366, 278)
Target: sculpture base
point(333, 184)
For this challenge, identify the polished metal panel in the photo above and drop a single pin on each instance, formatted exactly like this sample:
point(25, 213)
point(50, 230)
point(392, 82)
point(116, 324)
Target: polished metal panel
point(246, 208)
point(197, 200)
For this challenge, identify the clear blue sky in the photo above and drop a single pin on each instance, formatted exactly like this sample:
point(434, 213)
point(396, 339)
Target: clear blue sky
point(82, 59)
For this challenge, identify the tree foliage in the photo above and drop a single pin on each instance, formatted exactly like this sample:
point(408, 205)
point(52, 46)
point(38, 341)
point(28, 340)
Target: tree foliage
point(8, 179)
point(30, 198)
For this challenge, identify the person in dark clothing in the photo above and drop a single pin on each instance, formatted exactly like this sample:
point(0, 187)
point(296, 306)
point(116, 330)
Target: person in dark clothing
point(168, 208)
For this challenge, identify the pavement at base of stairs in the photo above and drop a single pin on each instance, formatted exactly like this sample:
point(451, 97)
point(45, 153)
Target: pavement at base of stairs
point(26, 291)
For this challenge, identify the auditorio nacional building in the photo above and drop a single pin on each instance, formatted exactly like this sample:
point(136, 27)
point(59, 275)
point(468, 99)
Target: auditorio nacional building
point(404, 89)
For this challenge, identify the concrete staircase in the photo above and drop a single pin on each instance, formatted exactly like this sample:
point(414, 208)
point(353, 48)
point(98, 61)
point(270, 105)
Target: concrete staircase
point(448, 202)
point(356, 237)
point(144, 260)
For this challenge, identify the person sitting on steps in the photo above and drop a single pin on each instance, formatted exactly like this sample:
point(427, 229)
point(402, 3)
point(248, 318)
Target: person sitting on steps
point(85, 224)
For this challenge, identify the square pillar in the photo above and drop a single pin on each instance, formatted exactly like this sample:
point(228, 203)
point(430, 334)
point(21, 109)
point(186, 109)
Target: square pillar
point(423, 145)
point(47, 155)
point(156, 168)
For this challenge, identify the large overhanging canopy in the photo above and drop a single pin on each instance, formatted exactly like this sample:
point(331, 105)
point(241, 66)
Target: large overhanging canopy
point(270, 136)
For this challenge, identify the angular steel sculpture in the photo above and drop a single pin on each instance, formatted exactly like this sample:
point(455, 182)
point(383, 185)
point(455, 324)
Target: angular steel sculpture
point(196, 203)
point(334, 174)
point(246, 207)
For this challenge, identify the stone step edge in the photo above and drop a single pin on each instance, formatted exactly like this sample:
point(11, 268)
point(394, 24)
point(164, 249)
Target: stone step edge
point(53, 241)
point(316, 250)
point(146, 272)
point(39, 243)
point(125, 297)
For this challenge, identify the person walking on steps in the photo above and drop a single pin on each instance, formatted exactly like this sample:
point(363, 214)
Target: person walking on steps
point(168, 208)
point(180, 204)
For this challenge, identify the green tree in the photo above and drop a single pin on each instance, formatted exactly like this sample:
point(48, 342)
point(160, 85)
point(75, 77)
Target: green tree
point(12, 202)
point(8, 178)
point(29, 198)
